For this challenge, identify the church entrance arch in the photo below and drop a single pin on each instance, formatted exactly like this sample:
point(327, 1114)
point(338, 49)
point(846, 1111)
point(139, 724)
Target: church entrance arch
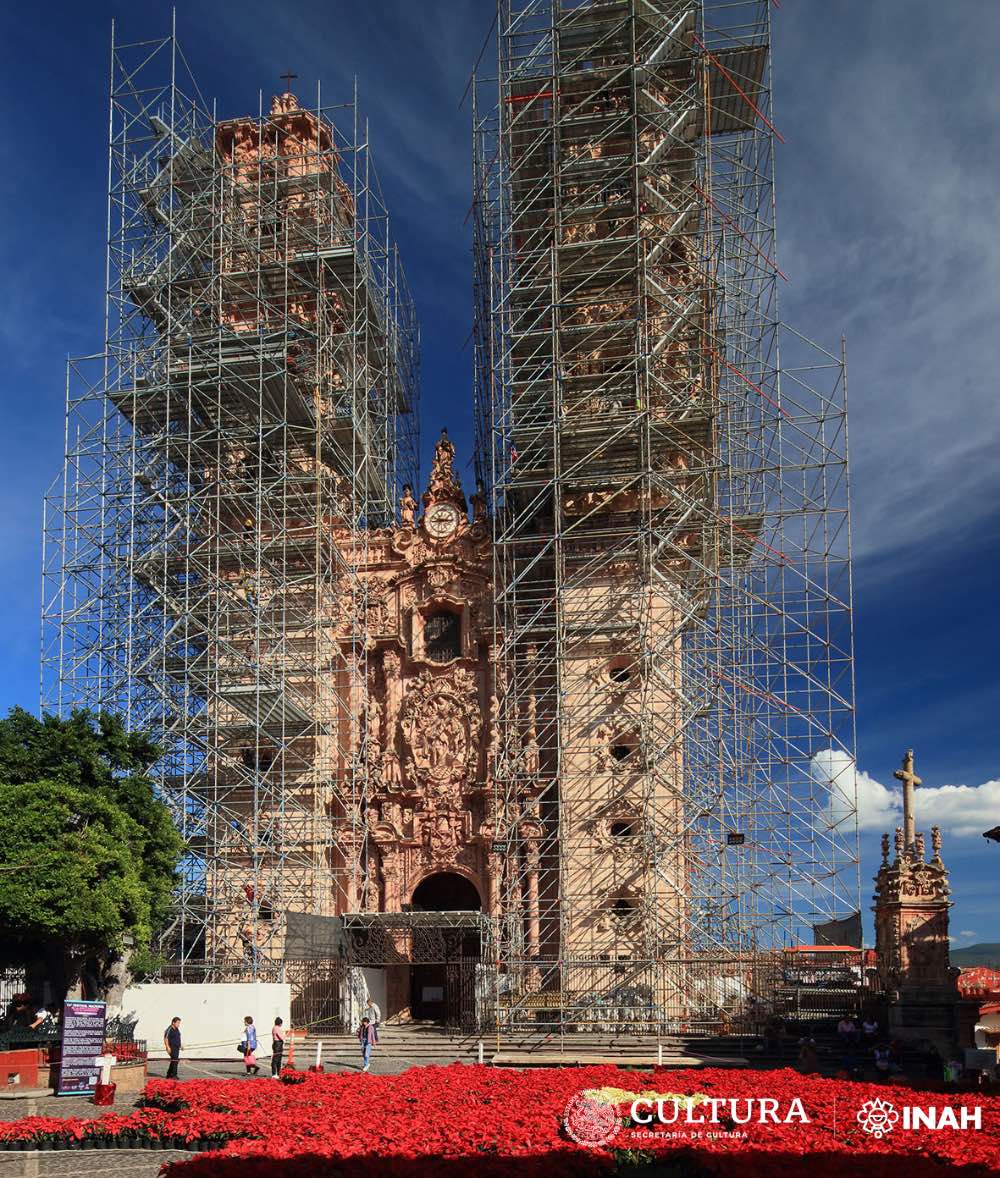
point(446, 891)
point(444, 990)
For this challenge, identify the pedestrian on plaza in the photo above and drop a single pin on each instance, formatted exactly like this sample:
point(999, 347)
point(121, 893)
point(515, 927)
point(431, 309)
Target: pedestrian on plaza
point(773, 1030)
point(41, 1017)
point(847, 1031)
point(933, 1065)
point(808, 1060)
point(172, 1045)
point(367, 1039)
point(374, 1013)
point(249, 1046)
point(278, 1033)
point(869, 1027)
point(885, 1066)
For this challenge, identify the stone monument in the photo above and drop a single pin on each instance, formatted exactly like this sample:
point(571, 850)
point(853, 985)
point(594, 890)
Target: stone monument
point(912, 899)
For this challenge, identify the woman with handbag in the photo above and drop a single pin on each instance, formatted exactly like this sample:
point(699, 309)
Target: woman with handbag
point(248, 1046)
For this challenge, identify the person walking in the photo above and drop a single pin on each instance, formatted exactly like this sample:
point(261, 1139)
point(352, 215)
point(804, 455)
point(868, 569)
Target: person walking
point(172, 1046)
point(277, 1047)
point(249, 1046)
point(367, 1039)
point(808, 1058)
point(374, 1013)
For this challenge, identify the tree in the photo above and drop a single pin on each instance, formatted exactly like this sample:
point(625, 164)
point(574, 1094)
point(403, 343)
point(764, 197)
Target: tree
point(97, 755)
point(71, 863)
point(88, 853)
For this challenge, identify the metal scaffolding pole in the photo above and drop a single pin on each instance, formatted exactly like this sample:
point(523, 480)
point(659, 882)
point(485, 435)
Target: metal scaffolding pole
point(254, 403)
point(672, 557)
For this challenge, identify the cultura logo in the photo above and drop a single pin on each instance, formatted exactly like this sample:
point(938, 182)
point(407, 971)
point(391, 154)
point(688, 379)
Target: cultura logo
point(877, 1117)
point(590, 1122)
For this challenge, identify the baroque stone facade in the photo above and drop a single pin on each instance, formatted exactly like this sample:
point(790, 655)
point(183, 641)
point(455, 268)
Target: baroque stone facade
point(424, 718)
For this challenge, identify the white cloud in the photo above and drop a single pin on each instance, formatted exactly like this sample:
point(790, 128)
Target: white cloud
point(960, 810)
point(878, 808)
point(968, 933)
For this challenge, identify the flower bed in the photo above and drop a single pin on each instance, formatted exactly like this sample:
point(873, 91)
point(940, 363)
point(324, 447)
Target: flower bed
point(468, 1119)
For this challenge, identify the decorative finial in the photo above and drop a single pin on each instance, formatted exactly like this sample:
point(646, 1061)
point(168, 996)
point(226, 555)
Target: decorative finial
point(899, 842)
point(885, 849)
point(910, 780)
point(918, 846)
point(936, 842)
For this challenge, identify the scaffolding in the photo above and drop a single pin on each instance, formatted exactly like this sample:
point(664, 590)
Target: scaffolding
point(672, 528)
point(253, 406)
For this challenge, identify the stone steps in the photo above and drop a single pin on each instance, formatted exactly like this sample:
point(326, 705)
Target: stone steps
point(423, 1043)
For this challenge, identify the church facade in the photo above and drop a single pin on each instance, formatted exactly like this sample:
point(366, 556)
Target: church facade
point(424, 725)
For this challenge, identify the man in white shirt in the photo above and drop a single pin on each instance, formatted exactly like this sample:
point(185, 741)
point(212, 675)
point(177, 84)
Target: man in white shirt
point(373, 1013)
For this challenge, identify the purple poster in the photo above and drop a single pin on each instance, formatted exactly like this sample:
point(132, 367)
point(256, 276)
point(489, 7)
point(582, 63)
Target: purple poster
point(82, 1043)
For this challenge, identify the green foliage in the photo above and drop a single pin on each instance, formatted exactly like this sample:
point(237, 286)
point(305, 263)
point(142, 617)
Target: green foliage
point(88, 853)
point(72, 868)
point(145, 962)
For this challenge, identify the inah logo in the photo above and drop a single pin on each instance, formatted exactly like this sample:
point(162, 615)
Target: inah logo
point(590, 1122)
point(877, 1117)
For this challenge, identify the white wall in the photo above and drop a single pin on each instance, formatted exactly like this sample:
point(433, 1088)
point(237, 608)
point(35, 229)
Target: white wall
point(359, 982)
point(211, 1015)
point(987, 1022)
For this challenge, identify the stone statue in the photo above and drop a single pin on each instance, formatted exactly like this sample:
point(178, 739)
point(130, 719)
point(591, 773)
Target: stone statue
point(408, 507)
point(478, 501)
point(375, 714)
point(444, 485)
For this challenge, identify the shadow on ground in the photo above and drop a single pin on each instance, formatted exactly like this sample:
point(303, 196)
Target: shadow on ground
point(740, 1163)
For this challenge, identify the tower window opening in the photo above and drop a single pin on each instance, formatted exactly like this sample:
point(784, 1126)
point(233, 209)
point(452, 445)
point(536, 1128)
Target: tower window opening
point(443, 637)
point(622, 907)
point(620, 674)
point(624, 828)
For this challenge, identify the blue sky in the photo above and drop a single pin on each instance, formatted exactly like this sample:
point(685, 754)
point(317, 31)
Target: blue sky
point(887, 223)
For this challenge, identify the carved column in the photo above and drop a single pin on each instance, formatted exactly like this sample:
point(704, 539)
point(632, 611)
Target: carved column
point(532, 863)
point(393, 698)
point(392, 874)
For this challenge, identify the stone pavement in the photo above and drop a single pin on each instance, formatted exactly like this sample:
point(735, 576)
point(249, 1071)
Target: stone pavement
point(134, 1163)
point(68, 1163)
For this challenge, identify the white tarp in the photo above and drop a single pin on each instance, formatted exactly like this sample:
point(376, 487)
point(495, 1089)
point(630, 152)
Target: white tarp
point(211, 1015)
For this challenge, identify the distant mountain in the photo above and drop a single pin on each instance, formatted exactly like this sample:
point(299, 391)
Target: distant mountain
point(986, 954)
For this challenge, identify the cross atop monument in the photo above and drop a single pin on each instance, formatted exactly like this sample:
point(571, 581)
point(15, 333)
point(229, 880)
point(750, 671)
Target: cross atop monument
point(289, 78)
point(910, 780)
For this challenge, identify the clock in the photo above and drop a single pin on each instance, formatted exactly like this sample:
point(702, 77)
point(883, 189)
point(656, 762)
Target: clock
point(441, 520)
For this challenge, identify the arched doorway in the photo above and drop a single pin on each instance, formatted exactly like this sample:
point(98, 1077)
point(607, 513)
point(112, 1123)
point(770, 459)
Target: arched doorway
point(439, 990)
point(446, 891)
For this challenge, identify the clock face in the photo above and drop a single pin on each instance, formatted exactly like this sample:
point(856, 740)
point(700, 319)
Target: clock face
point(441, 520)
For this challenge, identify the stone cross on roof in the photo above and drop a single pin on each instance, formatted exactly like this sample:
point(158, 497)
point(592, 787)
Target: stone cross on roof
point(910, 780)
